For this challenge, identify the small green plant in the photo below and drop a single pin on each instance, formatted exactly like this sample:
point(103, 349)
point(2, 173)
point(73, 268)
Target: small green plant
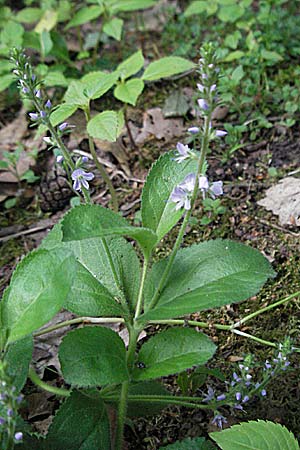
point(86, 266)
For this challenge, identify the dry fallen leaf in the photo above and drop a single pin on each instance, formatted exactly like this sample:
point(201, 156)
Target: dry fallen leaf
point(283, 199)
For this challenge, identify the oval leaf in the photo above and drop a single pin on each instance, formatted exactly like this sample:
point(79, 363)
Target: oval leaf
point(88, 221)
point(207, 275)
point(85, 15)
point(113, 28)
point(61, 113)
point(131, 65)
point(129, 91)
point(93, 356)
point(173, 351)
point(98, 83)
point(196, 7)
point(38, 289)
point(158, 213)
point(258, 435)
point(106, 125)
point(18, 357)
point(166, 67)
point(80, 423)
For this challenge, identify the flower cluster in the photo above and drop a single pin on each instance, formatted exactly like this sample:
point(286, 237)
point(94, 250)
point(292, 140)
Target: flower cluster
point(183, 192)
point(10, 401)
point(243, 387)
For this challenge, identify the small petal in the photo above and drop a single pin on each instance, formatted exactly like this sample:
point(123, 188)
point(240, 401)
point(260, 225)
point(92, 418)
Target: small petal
point(48, 104)
point(43, 114)
point(63, 126)
point(203, 104)
point(221, 397)
point(238, 396)
point(213, 87)
point(263, 393)
point(47, 139)
point(203, 183)
point(33, 116)
point(193, 130)
point(216, 188)
point(200, 87)
point(85, 159)
point(220, 133)
point(189, 182)
point(38, 93)
point(59, 159)
point(77, 185)
point(88, 176)
point(84, 183)
point(18, 436)
point(25, 90)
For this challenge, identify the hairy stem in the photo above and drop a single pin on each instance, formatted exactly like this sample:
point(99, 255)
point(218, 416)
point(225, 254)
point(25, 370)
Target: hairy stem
point(66, 323)
point(54, 390)
point(139, 304)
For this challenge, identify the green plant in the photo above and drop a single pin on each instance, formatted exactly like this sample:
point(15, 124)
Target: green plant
point(86, 266)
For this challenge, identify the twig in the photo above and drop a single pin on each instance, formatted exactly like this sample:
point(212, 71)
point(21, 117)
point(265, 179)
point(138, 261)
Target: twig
point(277, 227)
point(23, 233)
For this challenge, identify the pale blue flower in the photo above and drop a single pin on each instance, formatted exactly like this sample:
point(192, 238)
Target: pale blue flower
point(18, 436)
point(193, 130)
point(48, 104)
point(220, 133)
point(189, 182)
point(181, 197)
point(59, 159)
point(81, 178)
point(203, 104)
point(183, 151)
point(63, 126)
point(216, 189)
point(219, 420)
point(34, 116)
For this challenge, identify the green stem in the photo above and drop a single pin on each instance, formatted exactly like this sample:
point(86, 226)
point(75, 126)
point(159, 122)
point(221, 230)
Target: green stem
point(191, 402)
point(122, 410)
point(267, 308)
point(254, 338)
point(193, 323)
point(181, 233)
point(139, 303)
point(79, 320)
point(54, 390)
point(100, 167)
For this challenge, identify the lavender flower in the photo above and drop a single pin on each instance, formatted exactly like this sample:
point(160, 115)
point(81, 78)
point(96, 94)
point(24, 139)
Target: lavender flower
point(43, 114)
point(263, 392)
point(216, 188)
point(180, 196)
point(63, 126)
point(188, 183)
point(203, 104)
point(183, 151)
point(38, 93)
point(18, 436)
point(34, 116)
point(48, 104)
point(200, 87)
point(81, 178)
point(193, 130)
point(210, 395)
point(47, 139)
point(221, 397)
point(203, 183)
point(2, 421)
point(238, 396)
point(59, 159)
point(219, 420)
point(85, 159)
point(220, 133)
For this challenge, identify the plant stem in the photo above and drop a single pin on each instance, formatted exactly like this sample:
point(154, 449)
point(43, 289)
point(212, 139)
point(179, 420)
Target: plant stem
point(193, 323)
point(79, 320)
point(171, 258)
point(139, 303)
point(254, 338)
point(191, 402)
point(122, 409)
point(54, 390)
point(267, 308)
point(132, 142)
point(100, 167)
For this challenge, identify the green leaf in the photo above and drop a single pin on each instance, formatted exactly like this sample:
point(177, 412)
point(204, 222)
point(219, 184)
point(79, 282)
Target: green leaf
point(172, 351)
point(131, 65)
point(37, 291)
point(233, 56)
point(46, 42)
point(166, 67)
point(85, 15)
point(56, 78)
point(113, 28)
point(271, 56)
point(80, 423)
point(129, 91)
point(132, 5)
point(29, 15)
point(198, 443)
point(98, 83)
point(47, 21)
point(18, 358)
point(197, 7)
point(258, 435)
point(91, 253)
point(61, 113)
point(11, 34)
point(207, 275)
point(88, 297)
point(158, 213)
point(106, 125)
point(231, 13)
point(237, 74)
point(90, 221)
point(76, 94)
point(93, 356)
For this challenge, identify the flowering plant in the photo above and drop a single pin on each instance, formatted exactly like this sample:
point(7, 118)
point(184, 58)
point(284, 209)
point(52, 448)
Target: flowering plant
point(86, 266)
